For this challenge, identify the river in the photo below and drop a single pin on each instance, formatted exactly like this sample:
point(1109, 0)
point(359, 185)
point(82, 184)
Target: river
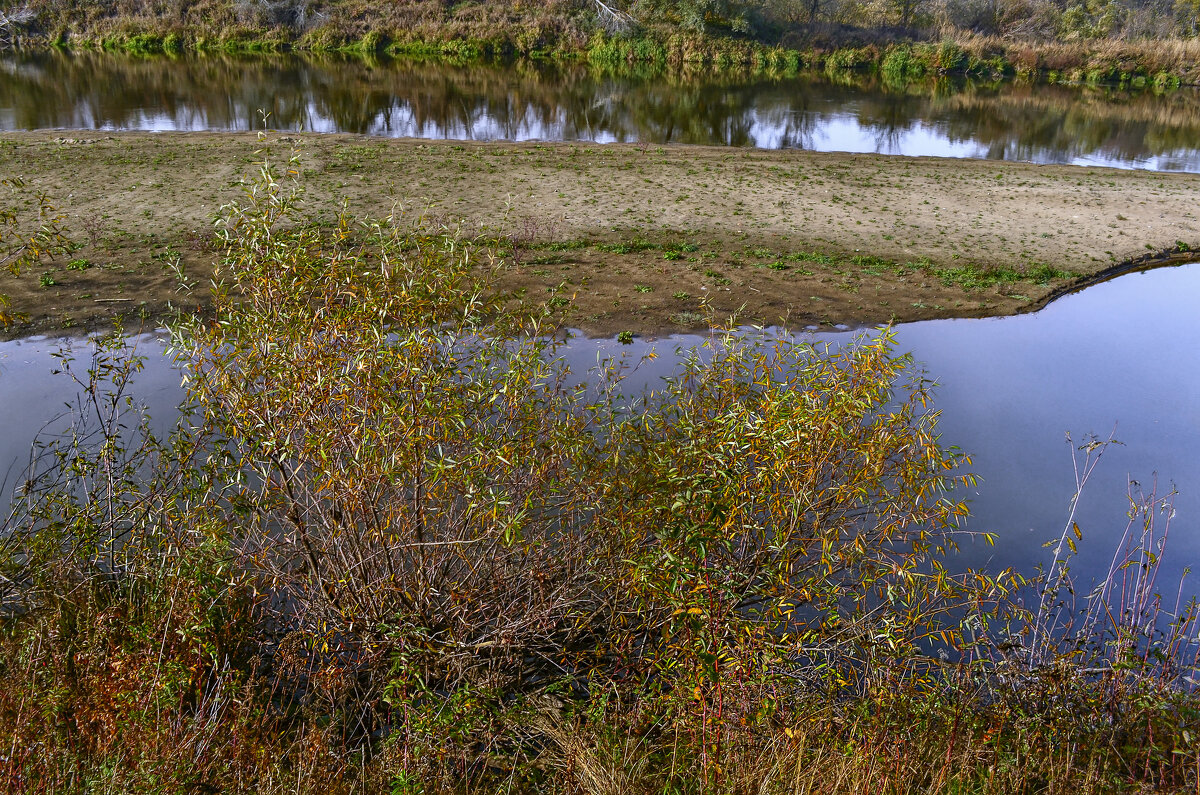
point(1104, 126)
point(1117, 358)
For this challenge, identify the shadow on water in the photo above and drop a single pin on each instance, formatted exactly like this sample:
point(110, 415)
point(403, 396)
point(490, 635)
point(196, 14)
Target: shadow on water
point(532, 101)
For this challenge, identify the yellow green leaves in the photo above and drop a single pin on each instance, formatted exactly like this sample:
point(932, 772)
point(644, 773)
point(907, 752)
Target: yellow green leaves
point(420, 470)
point(27, 238)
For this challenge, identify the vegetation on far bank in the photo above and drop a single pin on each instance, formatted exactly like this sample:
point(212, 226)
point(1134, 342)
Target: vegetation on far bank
point(1093, 40)
point(392, 548)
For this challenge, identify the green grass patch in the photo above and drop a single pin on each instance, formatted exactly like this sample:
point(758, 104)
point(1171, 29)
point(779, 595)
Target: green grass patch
point(627, 247)
point(973, 277)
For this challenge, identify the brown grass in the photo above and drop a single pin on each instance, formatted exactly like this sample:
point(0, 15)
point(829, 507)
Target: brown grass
point(1177, 57)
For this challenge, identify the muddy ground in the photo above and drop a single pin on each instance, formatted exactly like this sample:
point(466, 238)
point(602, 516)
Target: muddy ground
point(642, 236)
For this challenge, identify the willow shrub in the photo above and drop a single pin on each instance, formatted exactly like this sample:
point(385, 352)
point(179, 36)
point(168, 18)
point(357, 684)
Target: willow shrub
point(396, 522)
point(448, 527)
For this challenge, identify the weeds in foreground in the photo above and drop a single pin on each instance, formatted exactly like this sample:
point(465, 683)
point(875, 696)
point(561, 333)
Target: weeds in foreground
point(393, 547)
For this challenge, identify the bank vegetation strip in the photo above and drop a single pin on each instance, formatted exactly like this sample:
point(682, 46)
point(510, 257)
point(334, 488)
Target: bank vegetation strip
point(637, 237)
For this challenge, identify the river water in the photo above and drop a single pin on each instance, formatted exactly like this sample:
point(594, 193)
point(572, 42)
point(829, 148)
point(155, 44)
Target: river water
point(1118, 358)
point(530, 101)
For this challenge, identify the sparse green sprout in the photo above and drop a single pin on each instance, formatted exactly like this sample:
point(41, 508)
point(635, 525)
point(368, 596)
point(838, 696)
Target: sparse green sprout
point(677, 250)
point(630, 247)
point(568, 245)
point(625, 337)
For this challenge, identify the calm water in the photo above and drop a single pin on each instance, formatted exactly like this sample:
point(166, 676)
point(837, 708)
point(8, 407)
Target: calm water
point(1045, 124)
point(1119, 355)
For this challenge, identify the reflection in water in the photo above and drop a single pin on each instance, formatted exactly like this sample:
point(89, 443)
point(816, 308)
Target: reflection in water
point(527, 101)
point(37, 397)
point(1118, 354)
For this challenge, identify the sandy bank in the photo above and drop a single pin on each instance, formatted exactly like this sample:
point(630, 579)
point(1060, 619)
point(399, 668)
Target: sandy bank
point(638, 233)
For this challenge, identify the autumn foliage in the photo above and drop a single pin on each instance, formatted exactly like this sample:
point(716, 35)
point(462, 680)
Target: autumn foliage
point(396, 544)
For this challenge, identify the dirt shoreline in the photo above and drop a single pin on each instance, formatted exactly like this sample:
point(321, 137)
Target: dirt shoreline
point(639, 235)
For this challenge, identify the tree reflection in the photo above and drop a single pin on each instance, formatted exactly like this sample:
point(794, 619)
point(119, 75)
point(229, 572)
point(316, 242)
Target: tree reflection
point(535, 101)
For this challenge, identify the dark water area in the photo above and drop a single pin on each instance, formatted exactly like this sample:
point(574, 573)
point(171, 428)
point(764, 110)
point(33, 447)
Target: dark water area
point(546, 102)
point(1120, 357)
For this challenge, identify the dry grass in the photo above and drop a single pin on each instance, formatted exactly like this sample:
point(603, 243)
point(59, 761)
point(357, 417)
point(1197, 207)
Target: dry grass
point(1032, 38)
point(277, 23)
point(1177, 57)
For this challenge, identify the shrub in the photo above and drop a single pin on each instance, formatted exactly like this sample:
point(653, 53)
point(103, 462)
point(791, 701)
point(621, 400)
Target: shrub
point(450, 520)
point(445, 537)
point(901, 64)
point(394, 540)
point(850, 58)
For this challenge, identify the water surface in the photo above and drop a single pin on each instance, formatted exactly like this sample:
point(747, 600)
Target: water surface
point(1120, 357)
point(530, 101)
